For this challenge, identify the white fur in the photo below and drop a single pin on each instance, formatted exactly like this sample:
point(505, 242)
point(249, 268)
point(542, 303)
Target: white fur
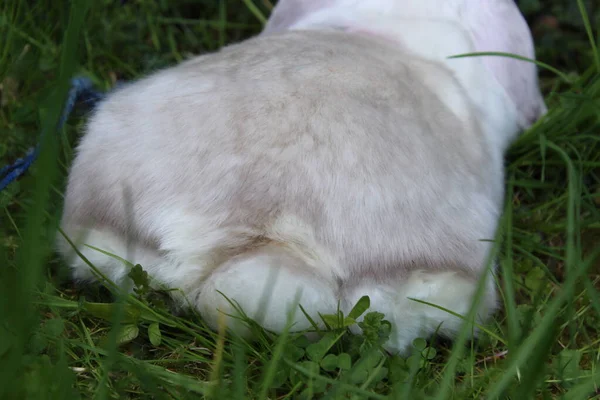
point(438, 29)
point(347, 155)
point(411, 319)
point(268, 290)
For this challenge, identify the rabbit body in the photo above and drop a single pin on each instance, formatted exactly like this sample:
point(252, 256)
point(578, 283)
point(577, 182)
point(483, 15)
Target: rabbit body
point(303, 166)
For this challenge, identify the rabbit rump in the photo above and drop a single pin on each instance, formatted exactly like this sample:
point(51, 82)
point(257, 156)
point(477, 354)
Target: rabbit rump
point(339, 153)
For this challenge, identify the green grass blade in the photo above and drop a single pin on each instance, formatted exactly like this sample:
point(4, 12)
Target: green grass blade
point(590, 33)
point(540, 64)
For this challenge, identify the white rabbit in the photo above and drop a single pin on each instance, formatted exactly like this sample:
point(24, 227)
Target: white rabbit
point(338, 154)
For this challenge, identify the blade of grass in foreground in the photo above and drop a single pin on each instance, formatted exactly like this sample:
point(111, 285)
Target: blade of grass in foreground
point(20, 314)
point(447, 382)
point(276, 358)
point(573, 253)
point(255, 11)
point(540, 64)
point(535, 349)
point(590, 33)
point(508, 273)
point(530, 344)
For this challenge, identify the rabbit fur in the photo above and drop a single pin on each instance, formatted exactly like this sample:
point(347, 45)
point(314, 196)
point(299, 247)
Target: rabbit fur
point(338, 154)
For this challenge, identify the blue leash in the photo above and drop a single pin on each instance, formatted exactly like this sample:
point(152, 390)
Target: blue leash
point(81, 89)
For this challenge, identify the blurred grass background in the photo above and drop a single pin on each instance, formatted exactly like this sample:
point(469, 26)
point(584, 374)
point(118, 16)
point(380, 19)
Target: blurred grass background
point(62, 341)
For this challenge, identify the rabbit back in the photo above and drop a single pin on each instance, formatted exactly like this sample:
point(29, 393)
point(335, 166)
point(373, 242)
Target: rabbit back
point(335, 142)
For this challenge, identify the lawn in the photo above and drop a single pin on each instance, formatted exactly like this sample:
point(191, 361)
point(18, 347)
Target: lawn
point(61, 341)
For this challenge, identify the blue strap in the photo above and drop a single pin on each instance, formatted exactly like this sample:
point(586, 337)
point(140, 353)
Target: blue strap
point(81, 89)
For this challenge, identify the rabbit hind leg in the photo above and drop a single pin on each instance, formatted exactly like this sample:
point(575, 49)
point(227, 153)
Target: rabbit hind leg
point(268, 284)
point(411, 319)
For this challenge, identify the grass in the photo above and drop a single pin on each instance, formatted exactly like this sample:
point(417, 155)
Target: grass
point(62, 341)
